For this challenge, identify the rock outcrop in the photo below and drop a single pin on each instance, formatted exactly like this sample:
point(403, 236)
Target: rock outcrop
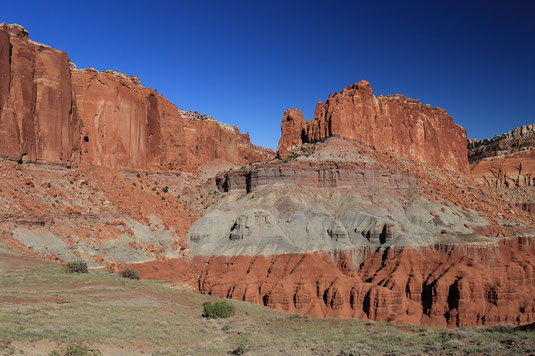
point(52, 112)
point(345, 231)
point(326, 175)
point(37, 123)
point(507, 163)
point(506, 160)
point(395, 124)
point(443, 286)
point(293, 128)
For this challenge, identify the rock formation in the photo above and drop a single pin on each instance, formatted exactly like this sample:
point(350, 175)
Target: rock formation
point(395, 124)
point(507, 163)
point(353, 219)
point(506, 160)
point(293, 128)
point(444, 286)
point(345, 231)
point(52, 112)
point(36, 117)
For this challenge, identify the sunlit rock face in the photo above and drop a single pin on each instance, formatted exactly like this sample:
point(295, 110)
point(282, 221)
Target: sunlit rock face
point(395, 124)
point(52, 112)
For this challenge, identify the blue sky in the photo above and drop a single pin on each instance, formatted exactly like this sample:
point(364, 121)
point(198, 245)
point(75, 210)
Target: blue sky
point(245, 62)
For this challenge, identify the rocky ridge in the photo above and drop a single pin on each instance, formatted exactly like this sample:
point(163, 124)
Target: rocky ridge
point(394, 124)
point(505, 160)
point(53, 112)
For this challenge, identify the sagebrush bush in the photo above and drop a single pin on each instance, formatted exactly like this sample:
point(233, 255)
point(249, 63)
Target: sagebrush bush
point(243, 346)
point(217, 310)
point(77, 267)
point(130, 273)
point(76, 350)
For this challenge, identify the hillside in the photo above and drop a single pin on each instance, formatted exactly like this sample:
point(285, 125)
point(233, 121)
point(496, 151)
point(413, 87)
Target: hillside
point(44, 309)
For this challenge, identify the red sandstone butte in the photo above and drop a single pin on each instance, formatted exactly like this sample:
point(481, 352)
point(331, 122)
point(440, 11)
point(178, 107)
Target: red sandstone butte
point(393, 124)
point(52, 112)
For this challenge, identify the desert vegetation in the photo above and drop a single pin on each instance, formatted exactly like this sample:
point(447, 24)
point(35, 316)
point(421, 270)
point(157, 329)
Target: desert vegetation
point(76, 267)
point(43, 308)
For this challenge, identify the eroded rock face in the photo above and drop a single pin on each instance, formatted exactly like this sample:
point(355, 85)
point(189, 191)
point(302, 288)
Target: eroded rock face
point(123, 123)
point(293, 128)
point(36, 119)
point(507, 160)
point(52, 112)
point(207, 140)
point(395, 124)
point(326, 175)
point(442, 286)
point(507, 164)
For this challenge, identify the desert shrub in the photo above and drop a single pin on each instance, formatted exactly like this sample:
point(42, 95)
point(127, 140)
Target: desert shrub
point(217, 310)
point(76, 350)
point(77, 267)
point(130, 273)
point(165, 189)
point(243, 345)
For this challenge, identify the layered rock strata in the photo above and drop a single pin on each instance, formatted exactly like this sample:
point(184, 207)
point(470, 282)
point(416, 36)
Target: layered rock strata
point(344, 231)
point(507, 163)
point(395, 124)
point(327, 175)
point(507, 160)
point(442, 286)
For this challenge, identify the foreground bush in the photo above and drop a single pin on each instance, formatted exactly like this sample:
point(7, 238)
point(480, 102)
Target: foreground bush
point(77, 267)
point(243, 345)
point(217, 310)
point(76, 350)
point(130, 273)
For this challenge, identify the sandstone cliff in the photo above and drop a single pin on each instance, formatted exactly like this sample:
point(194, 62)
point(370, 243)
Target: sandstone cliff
point(395, 124)
point(506, 160)
point(52, 112)
point(36, 119)
point(443, 286)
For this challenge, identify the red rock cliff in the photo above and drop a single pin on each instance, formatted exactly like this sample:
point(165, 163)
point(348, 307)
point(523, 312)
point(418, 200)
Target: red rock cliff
point(51, 112)
point(36, 120)
point(506, 160)
point(395, 124)
point(441, 286)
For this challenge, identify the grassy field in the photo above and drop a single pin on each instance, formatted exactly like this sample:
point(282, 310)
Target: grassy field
point(44, 309)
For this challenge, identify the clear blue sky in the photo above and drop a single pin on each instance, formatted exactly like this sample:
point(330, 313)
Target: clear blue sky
point(245, 62)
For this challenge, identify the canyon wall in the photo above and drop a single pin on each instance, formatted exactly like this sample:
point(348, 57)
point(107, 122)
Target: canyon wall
point(394, 124)
point(36, 120)
point(52, 112)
